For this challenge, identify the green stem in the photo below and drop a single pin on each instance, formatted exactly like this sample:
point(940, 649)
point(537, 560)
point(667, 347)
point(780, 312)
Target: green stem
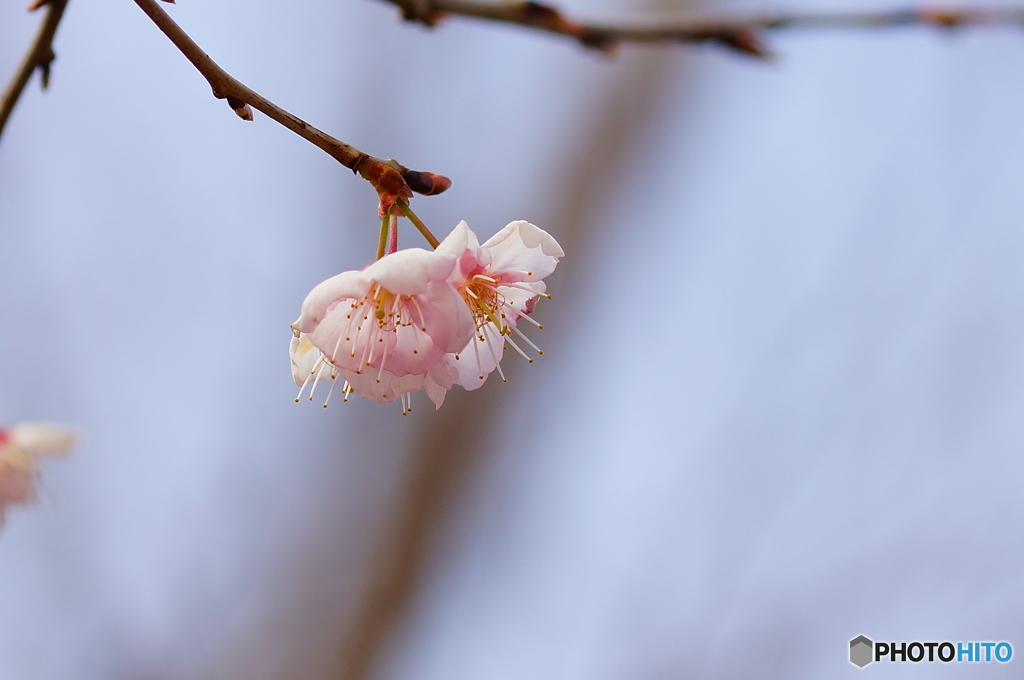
point(383, 241)
point(431, 239)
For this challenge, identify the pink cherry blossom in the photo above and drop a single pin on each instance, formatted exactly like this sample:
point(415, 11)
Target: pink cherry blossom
point(385, 330)
point(20, 446)
point(500, 282)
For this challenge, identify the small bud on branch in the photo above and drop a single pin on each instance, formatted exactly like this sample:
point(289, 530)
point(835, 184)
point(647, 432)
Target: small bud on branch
point(426, 183)
point(240, 108)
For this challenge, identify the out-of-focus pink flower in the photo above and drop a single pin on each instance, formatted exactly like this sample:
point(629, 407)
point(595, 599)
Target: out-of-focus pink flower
point(385, 329)
point(500, 282)
point(20, 446)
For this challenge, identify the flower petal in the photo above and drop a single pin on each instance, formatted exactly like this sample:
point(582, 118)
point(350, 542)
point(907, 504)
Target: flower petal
point(439, 381)
point(520, 252)
point(389, 388)
point(304, 358)
point(446, 317)
point(478, 358)
point(408, 272)
point(463, 245)
point(15, 486)
point(326, 295)
point(43, 438)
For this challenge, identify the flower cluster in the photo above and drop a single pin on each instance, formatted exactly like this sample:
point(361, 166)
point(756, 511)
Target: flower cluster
point(418, 319)
point(20, 446)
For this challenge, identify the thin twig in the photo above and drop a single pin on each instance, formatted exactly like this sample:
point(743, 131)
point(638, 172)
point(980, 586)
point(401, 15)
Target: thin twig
point(40, 55)
point(737, 33)
point(407, 211)
point(378, 171)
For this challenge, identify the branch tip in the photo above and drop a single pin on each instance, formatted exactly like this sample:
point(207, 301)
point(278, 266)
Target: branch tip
point(743, 41)
point(243, 100)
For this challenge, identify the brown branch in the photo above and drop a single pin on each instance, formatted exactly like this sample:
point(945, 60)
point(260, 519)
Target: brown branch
point(737, 33)
point(387, 175)
point(39, 56)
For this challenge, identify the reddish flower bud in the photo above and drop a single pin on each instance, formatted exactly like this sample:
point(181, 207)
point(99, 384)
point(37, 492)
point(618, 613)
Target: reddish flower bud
point(426, 183)
point(240, 108)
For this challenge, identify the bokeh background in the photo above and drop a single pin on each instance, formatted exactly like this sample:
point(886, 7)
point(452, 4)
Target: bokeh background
point(780, 403)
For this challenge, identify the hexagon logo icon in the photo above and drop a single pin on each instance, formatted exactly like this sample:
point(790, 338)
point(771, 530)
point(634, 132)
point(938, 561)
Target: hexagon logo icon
point(861, 651)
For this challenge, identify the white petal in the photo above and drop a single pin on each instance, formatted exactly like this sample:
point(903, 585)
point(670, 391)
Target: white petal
point(43, 438)
point(389, 388)
point(448, 320)
point(478, 358)
point(346, 285)
point(520, 252)
point(304, 357)
point(435, 392)
point(456, 243)
point(408, 272)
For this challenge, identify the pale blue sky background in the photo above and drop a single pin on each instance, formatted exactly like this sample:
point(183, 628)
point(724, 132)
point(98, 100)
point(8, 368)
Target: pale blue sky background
point(783, 409)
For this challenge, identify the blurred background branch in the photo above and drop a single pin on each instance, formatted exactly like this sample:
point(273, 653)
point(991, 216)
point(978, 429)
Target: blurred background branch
point(455, 439)
point(738, 33)
point(40, 55)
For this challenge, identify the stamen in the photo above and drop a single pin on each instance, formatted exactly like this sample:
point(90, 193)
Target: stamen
point(527, 340)
point(355, 339)
point(367, 358)
point(416, 303)
point(316, 380)
point(337, 346)
point(519, 286)
point(516, 348)
point(383, 358)
point(497, 361)
point(306, 381)
point(524, 315)
point(476, 350)
point(514, 271)
point(330, 391)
